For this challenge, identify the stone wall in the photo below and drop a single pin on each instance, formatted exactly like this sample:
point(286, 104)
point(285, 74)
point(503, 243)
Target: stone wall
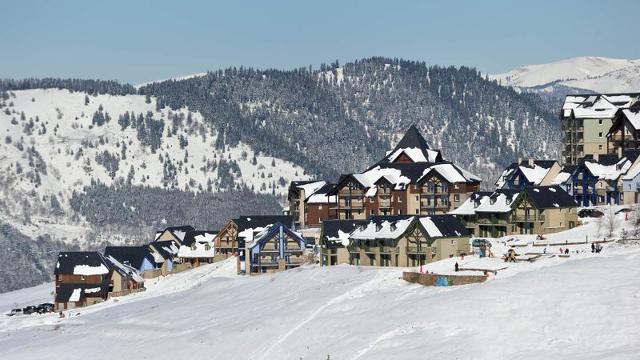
point(442, 280)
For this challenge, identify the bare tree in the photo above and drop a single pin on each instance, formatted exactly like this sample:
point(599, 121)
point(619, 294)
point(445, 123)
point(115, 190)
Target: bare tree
point(635, 220)
point(611, 222)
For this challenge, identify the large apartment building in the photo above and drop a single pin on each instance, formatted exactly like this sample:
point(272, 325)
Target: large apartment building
point(412, 179)
point(586, 123)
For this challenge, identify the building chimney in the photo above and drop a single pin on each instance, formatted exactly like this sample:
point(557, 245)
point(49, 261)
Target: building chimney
point(596, 157)
point(619, 152)
point(519, 160)
point(530, 162)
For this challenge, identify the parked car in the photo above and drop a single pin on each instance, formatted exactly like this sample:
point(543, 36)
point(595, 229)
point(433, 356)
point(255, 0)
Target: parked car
point(590, 213)
point(31, 309)
point(14, 312)
point(45, 308)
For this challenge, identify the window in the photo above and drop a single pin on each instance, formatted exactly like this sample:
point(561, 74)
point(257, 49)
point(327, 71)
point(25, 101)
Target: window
point(599, 147)
point(600, 122)
point(417, 198)
point(456, 197)
point(319, 207)
point(417, 211)
point(600, 134)
point(456, 186)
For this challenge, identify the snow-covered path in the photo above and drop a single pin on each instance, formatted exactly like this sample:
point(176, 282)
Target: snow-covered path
point(585, 307)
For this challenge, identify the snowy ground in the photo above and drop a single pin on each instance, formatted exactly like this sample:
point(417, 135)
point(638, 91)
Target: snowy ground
point(584, 306)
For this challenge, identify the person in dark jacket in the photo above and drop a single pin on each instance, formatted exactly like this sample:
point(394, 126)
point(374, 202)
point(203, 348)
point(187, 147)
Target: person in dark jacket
point(593, 247)
point(456, 266)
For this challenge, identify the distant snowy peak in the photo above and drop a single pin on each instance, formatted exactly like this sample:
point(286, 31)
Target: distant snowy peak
point(598, 74)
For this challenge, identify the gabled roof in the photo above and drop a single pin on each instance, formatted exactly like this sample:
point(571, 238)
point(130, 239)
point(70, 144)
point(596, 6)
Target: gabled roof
point(321, 195)
point(125, 270)
point(596, 106)
point(400, 175)
point(339, 230)
point(534, 171)
point(201, 236)
point(274, 229)
point(81, 263)
point(468, 207)
point(129, 255)
point(166, 248)
point(500, 201)
point(177, 231)
point(549, 197)
point(392, 227)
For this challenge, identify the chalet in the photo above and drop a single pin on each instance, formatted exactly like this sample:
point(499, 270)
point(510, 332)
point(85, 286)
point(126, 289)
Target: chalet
point(599, 180)
point(273, 248)
point(198, 247)
point(528, 173)
point(124, 279)
point(407, 240)
point(624, 133)
point(137, 257)
point(586, 121)
point(309, 202)
point(631, 185)
point(174, 233)
point(411, 179)
point(227, 241)
point(532, 210)
point(164, 253)
point(334, 239)
point(82, 278)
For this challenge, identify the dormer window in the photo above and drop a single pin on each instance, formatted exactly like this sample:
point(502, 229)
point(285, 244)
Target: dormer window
point(393, 227)
point(476, 203)
point(378, 227)
point(492, 201)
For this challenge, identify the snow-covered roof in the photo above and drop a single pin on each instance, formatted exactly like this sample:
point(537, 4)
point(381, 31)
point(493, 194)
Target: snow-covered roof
point(123, 268)
point(198, 244)
point(321, 196)
point(82, 263)
point(311, 187)
point(632, 172)
point(608, 172)
point(451, 173)
point(468, 207)
point(534, 171)
point(415, 154)
point(633, 116)
point(597, 106)
point(561, 178)
point(197, 250)
point(392, 227)
point(498, 202)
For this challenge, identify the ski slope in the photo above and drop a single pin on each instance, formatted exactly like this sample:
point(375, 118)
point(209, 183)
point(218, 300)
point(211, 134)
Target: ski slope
point(584, 306)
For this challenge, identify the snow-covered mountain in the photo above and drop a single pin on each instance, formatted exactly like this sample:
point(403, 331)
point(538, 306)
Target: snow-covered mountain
point(56, 142)
point(597, 74)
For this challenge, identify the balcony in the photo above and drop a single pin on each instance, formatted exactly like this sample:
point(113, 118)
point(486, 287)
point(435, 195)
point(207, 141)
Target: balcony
point(384, 204)
point(527, 218)
point(492, 221)
point(388, 249)
point(418, 250)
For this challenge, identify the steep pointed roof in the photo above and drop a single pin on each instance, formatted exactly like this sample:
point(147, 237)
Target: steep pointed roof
point(413, 146)
point(412, 138)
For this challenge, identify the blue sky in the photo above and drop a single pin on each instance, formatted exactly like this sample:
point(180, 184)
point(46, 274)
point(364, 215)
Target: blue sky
point(137, 41)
